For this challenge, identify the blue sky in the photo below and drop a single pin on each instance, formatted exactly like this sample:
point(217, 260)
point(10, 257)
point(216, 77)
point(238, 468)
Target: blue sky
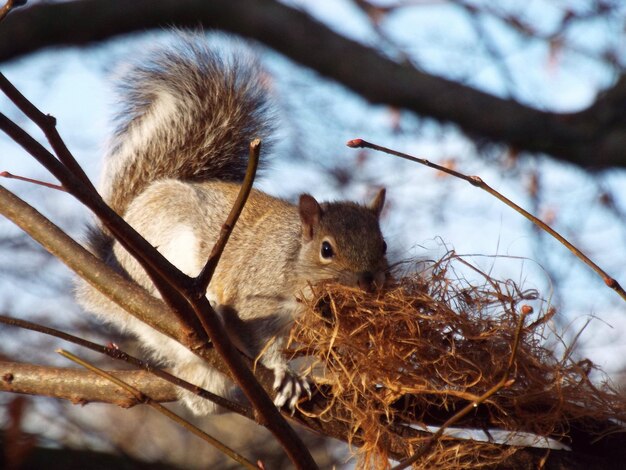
point(319, 116)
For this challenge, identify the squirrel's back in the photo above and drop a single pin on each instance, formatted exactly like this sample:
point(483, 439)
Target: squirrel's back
point(188, 113)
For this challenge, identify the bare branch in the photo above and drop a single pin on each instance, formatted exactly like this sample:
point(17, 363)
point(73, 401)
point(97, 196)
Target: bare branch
point(81, 387)
point(6, 174)
point(127, 294)
point(142, 397)
point(151, 260)
point(47, 124)
point(8, 7)
point(118, 354)
point(204, 278)
point(478, 182)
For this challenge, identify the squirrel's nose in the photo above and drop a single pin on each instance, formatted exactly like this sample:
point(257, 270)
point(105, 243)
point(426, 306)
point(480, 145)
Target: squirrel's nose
point(365, 281)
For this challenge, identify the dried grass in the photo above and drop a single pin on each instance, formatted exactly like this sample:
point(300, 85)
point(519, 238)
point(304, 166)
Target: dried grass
point(421, 350)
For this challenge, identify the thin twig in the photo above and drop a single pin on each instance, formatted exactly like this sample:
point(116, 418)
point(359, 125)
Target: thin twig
point(58, 187)
point(504, 382)
point(141, 397)
point(118, 354)
point(204, 278)
point(6, 9)
point(47, 124)
point(478, 182)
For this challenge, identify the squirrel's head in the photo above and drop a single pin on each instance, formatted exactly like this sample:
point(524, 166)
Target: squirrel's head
point(342, 241)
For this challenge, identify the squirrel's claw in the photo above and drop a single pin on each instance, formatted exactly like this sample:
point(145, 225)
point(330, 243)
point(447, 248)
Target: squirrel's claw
point(290, 387)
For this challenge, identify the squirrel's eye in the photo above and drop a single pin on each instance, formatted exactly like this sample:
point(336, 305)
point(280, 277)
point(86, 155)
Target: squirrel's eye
point(384, 247)
point(327, 250)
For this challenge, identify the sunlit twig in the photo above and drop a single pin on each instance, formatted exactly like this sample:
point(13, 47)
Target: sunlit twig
point(143, 398)
point(118, 354)
point(6, 174)
point(478, 182)
point(204, 278)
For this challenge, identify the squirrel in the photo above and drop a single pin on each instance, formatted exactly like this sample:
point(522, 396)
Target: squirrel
point(173, 170)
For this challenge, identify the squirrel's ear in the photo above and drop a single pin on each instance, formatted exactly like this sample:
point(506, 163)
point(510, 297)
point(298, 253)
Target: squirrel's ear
point(310, 215)
point(376, 205)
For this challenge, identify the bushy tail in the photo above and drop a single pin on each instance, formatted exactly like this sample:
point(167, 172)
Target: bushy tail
point(187, 113)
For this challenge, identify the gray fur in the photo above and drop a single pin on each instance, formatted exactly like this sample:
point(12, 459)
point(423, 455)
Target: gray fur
point(179, 152)
point(215, 105)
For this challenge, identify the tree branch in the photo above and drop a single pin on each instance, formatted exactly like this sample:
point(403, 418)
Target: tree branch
point(479, 183)
point(81, 386)
point(591, 138)
point(97, 272)
point(143, 397)
point(127, 294)
point(156, 266)
point(47, 124)
point(118, 354)
point(204, 278)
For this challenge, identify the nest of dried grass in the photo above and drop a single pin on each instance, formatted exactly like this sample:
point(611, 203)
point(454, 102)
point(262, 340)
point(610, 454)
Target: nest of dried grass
point(430, 344)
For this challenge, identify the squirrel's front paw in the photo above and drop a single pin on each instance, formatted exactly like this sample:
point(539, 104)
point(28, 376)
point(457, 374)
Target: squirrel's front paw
point(289, 386)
